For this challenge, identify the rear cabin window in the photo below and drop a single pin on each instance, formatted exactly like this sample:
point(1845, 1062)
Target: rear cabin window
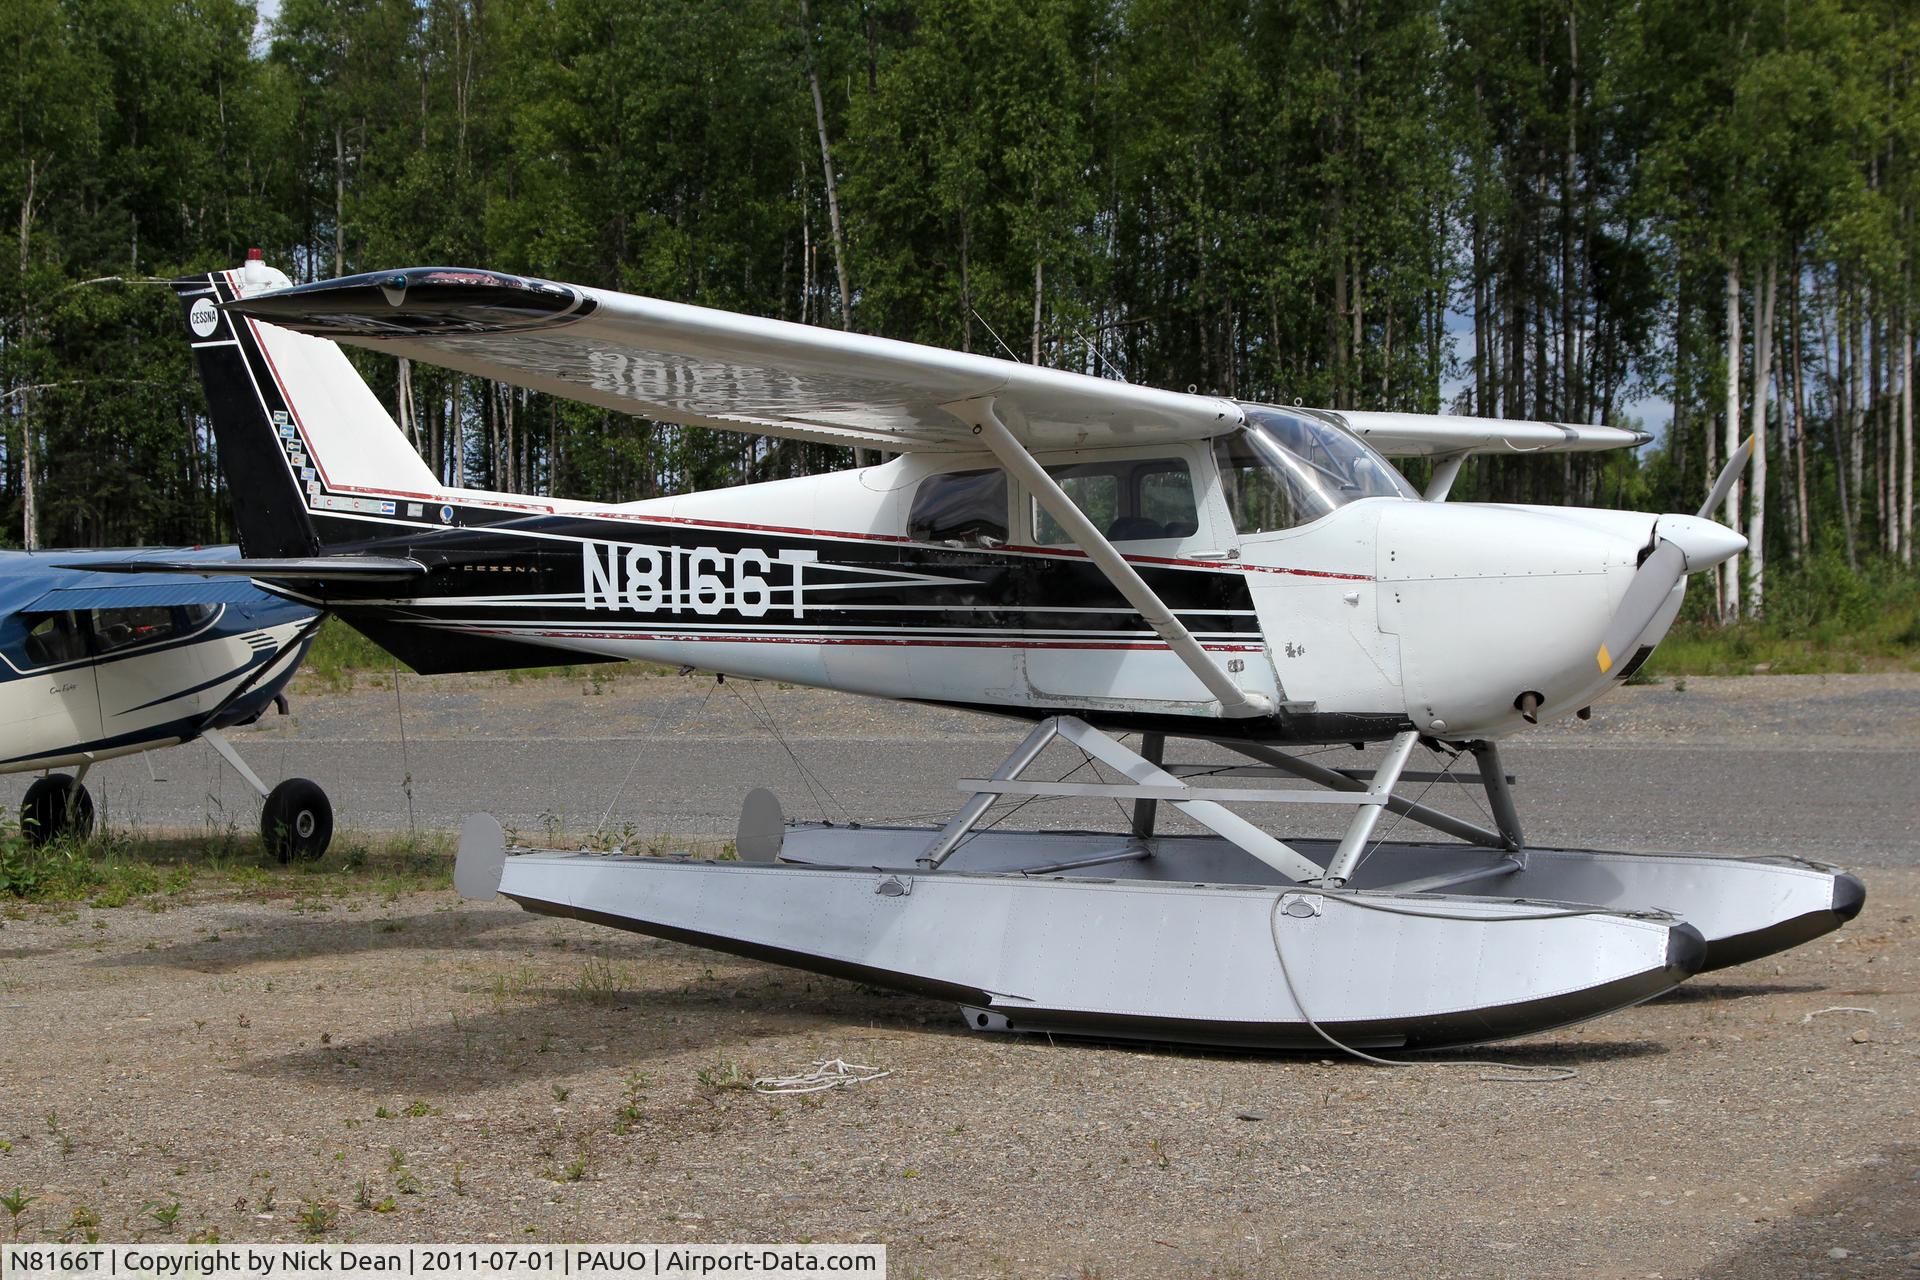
point(960, 508)
point(52, 638)
point(123, 628)
point(1130, 501)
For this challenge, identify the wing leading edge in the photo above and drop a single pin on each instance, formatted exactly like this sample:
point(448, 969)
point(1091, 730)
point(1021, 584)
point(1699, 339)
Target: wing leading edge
point(698, 366)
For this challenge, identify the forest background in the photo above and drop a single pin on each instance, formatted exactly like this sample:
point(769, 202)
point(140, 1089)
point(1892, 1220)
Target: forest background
point(1548, 209)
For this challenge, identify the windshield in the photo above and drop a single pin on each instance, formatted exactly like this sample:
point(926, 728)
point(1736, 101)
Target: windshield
point(1284, 469)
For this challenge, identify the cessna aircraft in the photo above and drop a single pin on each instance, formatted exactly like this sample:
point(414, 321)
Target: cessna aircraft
point(1094, 557)
point(96, 664)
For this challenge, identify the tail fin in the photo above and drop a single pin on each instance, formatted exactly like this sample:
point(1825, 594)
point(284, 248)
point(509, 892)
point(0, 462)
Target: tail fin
point(304, 443)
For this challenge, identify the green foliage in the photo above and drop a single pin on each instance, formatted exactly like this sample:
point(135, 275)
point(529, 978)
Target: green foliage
point(114, 869)
point(1275, 200)
point(1820, 619)
point(339, 651)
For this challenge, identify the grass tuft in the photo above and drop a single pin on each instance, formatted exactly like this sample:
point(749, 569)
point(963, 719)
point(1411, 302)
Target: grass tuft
point(113, 868)
point(1821, 619)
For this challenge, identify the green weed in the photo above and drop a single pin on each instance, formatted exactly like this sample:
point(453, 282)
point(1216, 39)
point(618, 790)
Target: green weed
point(15, 1202)
point(1821, 618)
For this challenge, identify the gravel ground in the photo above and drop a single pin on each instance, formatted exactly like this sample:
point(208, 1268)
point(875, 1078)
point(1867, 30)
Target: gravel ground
point(420, 1068)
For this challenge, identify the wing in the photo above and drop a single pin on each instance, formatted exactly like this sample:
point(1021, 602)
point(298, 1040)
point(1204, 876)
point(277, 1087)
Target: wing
point(128, 594)
point(708, 368)
point(1400, 435)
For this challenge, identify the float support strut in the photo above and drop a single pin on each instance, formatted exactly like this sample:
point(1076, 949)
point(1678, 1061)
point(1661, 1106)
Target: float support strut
point(1347, 856)
point(1493, 776)
point(1425, 815)
point(975, 809)
point(1153, 747)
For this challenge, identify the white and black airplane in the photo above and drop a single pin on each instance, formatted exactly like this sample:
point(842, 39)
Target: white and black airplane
point(96, 664)
point(1094, 557)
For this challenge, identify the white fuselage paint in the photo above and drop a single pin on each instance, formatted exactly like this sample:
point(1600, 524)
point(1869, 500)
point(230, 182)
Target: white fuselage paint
point(64, 716)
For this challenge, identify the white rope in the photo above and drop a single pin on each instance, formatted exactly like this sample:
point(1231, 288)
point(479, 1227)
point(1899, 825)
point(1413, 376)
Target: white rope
point(827, 1073)
point(1517, 1073)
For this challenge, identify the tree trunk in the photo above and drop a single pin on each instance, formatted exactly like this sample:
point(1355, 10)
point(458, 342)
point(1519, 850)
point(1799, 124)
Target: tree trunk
point(1906, 430)
point(1803, 520)
point(826, 168)
point(1677, 442)
point(1842, 412)
point(1730, 571)
point(457, 437)
point(966, 286)
point(1856, 426)
point(1762, 374)
point(1037, 295)
point(29, 523)
point(1338, 320)
point(339, 200)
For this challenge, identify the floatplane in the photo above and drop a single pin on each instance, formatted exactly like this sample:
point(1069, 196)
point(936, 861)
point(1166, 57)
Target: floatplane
point(1121, 567)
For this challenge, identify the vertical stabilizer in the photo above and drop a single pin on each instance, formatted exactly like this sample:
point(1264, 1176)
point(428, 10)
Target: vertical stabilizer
point(300, 433)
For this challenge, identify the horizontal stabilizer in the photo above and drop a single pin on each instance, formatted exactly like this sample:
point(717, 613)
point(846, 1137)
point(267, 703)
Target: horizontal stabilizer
point(298, 569)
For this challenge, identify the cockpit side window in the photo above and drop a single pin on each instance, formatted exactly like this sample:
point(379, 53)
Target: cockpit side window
point(1285, 469)
point(123, 628)
point(960, 508)
point(1129, 500)
point(1261, 496)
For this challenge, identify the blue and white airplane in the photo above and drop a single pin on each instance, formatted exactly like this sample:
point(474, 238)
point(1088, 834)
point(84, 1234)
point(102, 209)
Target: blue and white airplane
point(95, 665)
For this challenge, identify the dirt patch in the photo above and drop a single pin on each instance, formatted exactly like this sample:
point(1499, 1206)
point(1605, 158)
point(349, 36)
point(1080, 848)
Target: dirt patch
point(419, 1068)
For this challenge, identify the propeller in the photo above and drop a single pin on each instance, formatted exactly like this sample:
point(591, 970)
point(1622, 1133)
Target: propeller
point(1723, 483)
point(1681, 545)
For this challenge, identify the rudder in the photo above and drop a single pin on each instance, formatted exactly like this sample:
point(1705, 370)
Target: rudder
point(299, 432)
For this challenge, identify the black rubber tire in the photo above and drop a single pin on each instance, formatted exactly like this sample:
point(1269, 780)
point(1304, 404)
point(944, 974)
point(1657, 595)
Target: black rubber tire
point(56, 806)
point(297, 820)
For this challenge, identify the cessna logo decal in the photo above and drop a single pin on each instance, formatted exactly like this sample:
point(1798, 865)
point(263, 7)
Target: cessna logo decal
point(203, 318)
point(702, 580)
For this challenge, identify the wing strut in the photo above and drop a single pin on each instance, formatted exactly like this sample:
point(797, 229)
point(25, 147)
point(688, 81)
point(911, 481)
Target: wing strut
point(1235, 702)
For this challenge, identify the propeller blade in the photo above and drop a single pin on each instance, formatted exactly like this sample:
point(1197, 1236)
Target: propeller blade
point(1645, 594)
point(1728, 474)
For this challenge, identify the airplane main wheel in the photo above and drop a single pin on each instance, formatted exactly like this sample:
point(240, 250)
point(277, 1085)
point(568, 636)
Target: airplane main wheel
point(56, 806)
point(297, 820)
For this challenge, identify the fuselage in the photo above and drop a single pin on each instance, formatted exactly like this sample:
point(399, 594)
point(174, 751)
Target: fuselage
point(932, 578)
point(96, 665)
point(1314, 595)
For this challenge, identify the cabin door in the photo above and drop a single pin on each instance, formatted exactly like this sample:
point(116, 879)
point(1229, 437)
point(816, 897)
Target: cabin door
point(49, 701)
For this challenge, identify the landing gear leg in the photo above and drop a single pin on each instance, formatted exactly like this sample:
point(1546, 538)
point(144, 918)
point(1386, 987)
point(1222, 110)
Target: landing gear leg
point(1493, 776)
point(1347, 856)
point(296, 818)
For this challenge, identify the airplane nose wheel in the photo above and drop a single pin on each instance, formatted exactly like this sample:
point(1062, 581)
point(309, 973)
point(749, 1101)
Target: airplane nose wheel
point(54, 806)
point(297, 820)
